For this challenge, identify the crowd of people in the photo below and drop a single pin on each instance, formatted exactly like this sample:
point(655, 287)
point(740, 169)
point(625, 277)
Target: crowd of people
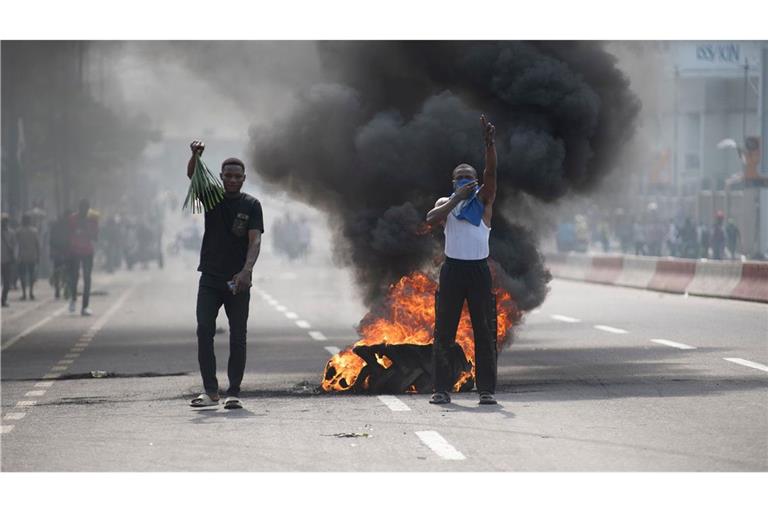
point(65, 247)
point(651, 235)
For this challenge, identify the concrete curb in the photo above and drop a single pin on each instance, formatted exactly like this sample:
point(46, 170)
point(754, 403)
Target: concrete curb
point(725, 279)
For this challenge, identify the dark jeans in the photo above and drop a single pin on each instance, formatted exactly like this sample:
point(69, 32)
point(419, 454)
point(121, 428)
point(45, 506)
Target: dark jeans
point(211, 294)
point(60, 276)
point(471, 281)
point(7, 273)
point(74, 275)
point(28, 275)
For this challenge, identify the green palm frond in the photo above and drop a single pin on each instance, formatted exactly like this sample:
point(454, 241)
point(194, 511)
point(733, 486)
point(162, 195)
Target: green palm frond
point(205, 189)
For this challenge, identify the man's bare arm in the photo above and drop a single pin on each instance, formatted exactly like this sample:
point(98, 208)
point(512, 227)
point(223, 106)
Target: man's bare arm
point(243, 278)
point(488, 192)
point(254, 248)
point(442, 208)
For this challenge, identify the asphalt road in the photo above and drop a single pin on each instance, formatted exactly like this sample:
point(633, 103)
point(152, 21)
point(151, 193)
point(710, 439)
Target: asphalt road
point(582, 388)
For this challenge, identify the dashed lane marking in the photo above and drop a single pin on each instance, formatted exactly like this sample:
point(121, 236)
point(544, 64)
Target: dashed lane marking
point(746, 362)
point(317, 336)
point(66, 361)
point(439, 445)
point(79, 347)
point(303, 324)
point(291, 315)
point(32, 328)
point(333, 350)
point(14, 415)
point(394, 403)
point(563, 318)
point(608, 328)
point(681, 346)
point(281, 309)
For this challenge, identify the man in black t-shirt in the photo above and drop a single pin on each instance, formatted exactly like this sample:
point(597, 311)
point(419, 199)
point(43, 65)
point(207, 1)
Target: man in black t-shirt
point(230, 248)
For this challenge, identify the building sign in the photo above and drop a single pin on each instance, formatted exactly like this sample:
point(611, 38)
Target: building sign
point(718, 58)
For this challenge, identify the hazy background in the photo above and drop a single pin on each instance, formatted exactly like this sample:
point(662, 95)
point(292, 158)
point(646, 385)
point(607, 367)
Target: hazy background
point(111, 121)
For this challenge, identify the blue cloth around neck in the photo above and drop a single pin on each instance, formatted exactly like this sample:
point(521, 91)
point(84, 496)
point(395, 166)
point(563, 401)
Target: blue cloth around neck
point(470, 209)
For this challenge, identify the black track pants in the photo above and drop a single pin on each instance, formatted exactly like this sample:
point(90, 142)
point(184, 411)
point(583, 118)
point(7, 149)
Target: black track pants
point(462, 280)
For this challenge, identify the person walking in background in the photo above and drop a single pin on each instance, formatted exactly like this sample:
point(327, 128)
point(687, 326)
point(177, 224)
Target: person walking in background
point(690, 246)
point(7, 257)
point(733, 238)
point(704, 239)
point(83, 232)
point(638, 238)
point(28, 241)
point(718, 236)
point(58, 245)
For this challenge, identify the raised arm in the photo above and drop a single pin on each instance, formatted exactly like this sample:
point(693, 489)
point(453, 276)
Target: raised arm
point(197, 147)
point(488, 192)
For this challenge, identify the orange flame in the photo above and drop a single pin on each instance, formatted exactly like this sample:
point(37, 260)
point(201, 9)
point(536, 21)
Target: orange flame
point(409, 318)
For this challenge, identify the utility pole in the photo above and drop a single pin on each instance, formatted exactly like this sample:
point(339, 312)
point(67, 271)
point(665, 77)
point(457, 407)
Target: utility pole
point(762, 213)
point(744, 104)
point(675, 169)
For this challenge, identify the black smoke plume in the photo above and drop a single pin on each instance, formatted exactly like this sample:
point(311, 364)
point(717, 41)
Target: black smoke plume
point(374, 146)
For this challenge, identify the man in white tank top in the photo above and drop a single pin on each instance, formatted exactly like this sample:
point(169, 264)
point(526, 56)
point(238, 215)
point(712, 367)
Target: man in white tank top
point(465, 275)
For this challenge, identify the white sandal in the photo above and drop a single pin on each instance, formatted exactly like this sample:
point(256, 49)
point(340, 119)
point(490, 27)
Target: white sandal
point(203, 400)
point(232, 402)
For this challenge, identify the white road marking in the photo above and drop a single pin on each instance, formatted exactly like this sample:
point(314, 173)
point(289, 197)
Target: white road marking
point(303, 324)
point(72, 355)
point(14, 415)
point(35, 392)
point(290, 315)
point(681, 346)
point(6, 428)
point(439, 445)
point(82, 344)
point(44, 384)
point(59, 368)
point(608, 328)
point(745, 362)
point(333, 350)
point(564, 318)
point(76, 349)
point(32, 328)
point(317, 336)
point(281, 309)
point(26, 403)
point(103, 319)
point(51, 375)
point(66, 361)
point(394, 403)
